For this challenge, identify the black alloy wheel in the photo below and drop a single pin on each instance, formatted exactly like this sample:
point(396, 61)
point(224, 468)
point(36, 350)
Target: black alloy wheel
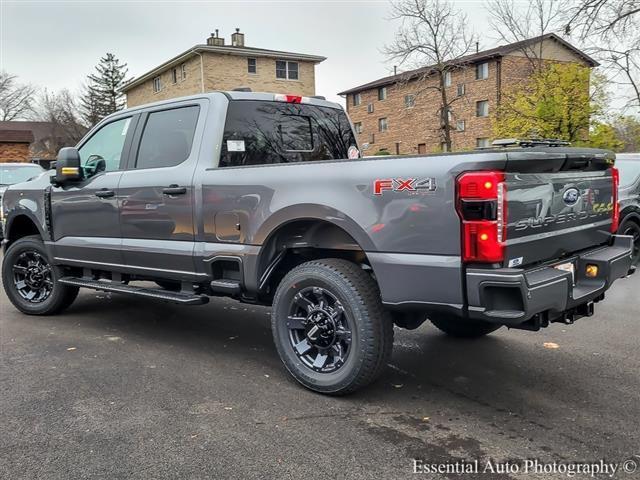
point(32, 276)
point(31, 281)
point(319, 329)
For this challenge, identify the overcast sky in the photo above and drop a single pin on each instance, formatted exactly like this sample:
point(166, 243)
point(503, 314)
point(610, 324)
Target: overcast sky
point(55, 44)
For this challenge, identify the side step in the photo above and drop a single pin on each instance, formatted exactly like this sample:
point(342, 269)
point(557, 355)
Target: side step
point(157, 293)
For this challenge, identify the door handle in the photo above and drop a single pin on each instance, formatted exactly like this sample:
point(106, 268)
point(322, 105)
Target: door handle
point(174, 190)
point(105, 193)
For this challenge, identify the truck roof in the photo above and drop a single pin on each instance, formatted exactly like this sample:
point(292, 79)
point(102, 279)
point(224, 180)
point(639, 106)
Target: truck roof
point(234, 95)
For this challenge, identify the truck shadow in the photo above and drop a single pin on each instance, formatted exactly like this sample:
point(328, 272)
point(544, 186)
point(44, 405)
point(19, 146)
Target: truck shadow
point(527, 378)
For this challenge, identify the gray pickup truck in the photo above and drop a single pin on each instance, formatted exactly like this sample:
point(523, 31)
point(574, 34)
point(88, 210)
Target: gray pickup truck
point(266, 198)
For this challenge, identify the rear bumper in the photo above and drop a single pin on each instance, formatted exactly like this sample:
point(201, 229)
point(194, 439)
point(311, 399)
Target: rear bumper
point(512, 296)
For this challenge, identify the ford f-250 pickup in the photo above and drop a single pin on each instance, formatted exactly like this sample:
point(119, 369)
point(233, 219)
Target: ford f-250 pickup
point(266, 198)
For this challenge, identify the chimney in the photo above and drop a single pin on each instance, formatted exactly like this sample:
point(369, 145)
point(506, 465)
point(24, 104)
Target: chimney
point(237, 39)
point(477, 47)
point(215, 40)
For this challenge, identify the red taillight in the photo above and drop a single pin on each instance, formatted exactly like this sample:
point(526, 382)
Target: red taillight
point(615, 221)
point(481, 202)
point(288, 98)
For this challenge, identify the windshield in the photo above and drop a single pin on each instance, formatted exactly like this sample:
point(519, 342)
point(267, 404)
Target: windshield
point(10, 174)
point(629, 170)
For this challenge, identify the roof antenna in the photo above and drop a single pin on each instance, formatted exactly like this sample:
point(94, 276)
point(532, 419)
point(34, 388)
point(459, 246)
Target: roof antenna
point(395, 70)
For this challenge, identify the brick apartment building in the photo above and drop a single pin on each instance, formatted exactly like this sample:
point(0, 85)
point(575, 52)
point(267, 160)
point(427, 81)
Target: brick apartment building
point(216, 66)
point(399, 113)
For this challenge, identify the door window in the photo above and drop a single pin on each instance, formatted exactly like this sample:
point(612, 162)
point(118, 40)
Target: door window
point(167, 137)
point(107, 143)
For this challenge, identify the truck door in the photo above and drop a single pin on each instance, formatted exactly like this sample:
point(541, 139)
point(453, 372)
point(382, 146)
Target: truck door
point(156, 193)
point(85, 224)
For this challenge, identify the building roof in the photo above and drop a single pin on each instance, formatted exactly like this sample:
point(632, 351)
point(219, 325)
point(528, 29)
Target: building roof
point(16, 136)
point(39, 129)
point(222, 50)
point(499, 51)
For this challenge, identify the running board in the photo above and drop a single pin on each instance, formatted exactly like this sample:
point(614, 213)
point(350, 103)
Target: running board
point(183, 298)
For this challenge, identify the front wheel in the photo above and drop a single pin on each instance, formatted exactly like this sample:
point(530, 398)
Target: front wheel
point(31, 282)
point(461, 328)
point(329, 326)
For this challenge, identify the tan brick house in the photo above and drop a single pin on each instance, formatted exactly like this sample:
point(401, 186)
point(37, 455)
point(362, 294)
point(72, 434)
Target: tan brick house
point(399, 113)
point(216, 66)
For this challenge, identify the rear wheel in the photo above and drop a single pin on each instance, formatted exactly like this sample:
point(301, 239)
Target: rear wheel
point(31, 282)
point(461, 328)
point(329, 326)
point(632, 227)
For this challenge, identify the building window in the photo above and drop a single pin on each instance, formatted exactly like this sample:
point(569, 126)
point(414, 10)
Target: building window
point(286, 70)
point(357, 99)
point(174, 75)
point(482, 142)
point(183, 71)
point(372, 138)
point(382, 125)
point(447, 79)
point(482, 71)
point(409, 101)
point(358, 127)
point(482, 108)
point(444, 147)
point(422, 148)
point(157, 85)
point(370, 108)
point(460, 126)
point(460, 91)
point(449, 116)
point(382, 93)
point(252, 66)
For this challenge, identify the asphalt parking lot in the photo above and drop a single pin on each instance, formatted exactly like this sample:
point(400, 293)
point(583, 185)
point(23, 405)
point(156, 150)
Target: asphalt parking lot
point(122, 388)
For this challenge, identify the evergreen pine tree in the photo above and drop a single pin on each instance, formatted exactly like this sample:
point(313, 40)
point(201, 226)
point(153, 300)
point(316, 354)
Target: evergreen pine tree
point(102, 94)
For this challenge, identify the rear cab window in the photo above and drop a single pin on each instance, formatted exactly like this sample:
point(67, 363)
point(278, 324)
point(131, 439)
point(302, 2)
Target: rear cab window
point(265, 132)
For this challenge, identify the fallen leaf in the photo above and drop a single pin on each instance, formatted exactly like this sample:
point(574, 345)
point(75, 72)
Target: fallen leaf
point(397, 385)
point(228, 408)
point(550, 345)
point(71, 349)
point(425, 419)
point(266, 375)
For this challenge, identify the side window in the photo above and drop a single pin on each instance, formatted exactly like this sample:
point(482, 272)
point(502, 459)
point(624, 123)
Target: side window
point(107, 143)
point(167, 137)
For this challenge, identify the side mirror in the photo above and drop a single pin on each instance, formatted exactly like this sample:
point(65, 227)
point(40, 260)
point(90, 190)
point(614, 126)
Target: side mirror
point(68, 167)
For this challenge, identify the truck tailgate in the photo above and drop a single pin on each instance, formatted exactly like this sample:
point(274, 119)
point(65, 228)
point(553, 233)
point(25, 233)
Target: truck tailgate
point(551, 214)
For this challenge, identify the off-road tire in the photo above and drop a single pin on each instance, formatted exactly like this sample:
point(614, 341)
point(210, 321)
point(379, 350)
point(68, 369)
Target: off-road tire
point(61, 296)
point(371, 325)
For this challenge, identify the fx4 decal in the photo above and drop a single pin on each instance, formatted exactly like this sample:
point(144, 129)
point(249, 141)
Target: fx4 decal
point(409, 185)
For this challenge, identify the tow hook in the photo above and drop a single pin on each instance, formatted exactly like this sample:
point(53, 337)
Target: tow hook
point(632, 270)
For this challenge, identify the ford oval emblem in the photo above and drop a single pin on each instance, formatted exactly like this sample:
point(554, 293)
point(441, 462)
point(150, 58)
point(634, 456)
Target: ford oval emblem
point(571, 196)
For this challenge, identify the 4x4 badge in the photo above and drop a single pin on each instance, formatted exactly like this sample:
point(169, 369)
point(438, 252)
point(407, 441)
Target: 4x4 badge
point(411, 185)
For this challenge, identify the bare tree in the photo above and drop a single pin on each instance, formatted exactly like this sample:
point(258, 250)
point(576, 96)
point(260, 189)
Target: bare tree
point(16, 100)
point(603, 17)
point(622, 61)
point(434, 36)
point(514, 23)
point(60, 110)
